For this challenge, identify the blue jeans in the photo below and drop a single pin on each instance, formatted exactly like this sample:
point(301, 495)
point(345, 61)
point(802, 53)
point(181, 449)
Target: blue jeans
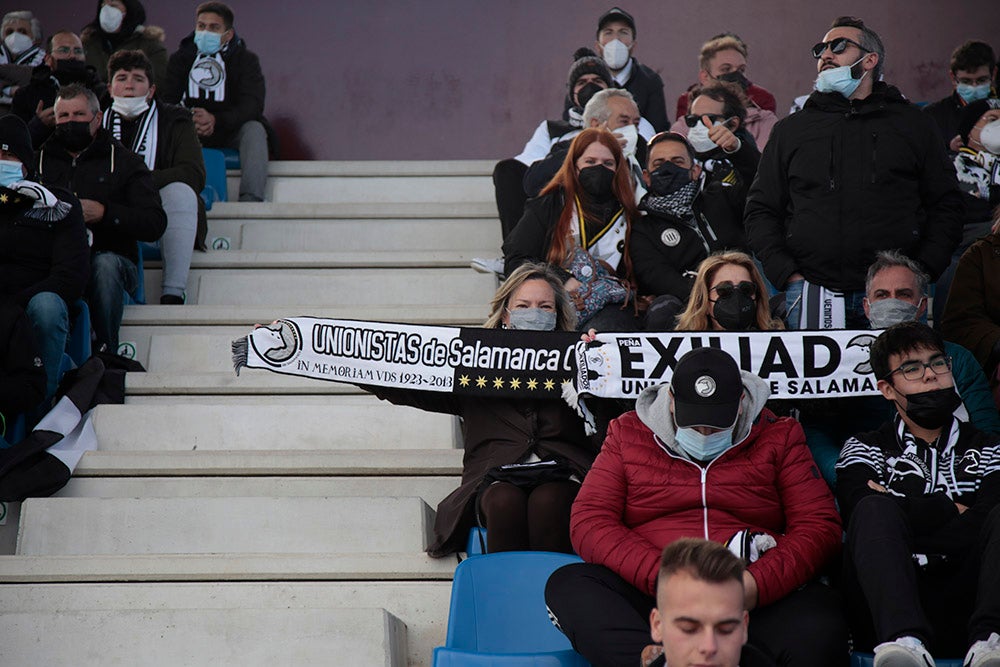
point(854, 307)
point(111, 276)
point(49, 317)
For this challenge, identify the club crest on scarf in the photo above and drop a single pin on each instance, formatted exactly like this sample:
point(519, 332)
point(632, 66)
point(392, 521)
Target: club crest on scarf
point(278, 343)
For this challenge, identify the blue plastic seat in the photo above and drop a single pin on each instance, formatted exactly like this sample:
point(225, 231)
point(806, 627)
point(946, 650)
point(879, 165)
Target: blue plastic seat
point(78, 344)
point(232, 157)
point(498, 616)
point(215, 177)
point(476, 546)
point(868, 660)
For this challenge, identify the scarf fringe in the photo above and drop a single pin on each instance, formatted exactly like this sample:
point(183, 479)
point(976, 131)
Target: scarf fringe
point(240, 351)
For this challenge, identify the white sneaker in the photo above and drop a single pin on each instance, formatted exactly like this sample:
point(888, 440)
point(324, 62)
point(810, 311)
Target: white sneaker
point(904, 652)
point(488, 265)
point(984, 653)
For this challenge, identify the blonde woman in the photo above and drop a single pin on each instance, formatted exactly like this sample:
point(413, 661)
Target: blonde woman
point(729, 294)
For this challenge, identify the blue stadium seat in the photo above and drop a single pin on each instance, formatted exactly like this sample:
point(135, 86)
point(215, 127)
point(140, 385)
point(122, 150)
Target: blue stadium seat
point(78, 345)
point(498, 616)
point(215, 177)
point(476, 546)
point(868, 659)
point(232, 157)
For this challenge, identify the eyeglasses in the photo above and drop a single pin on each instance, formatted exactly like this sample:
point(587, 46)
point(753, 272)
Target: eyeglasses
point(838, 45)
point(726, 288)
point(972, 82)
point(914, 370)
point(67, 50)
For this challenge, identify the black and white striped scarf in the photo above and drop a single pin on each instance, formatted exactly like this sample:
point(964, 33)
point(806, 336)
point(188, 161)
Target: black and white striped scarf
point(146, 137)
point(206, 80)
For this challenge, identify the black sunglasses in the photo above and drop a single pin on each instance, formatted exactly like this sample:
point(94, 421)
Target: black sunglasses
point(693, 119)
point(838, 45)
point(726, 288)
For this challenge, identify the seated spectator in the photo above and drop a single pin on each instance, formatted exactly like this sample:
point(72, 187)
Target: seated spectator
point(44, 259)
point(63, 64)
point(164, 137)
point(22, 373)
point(219, 79)
point(20, 51)
point(919, 496)
point(702, 457)
point(120, 203)
point(700, 615)
point(895, 291)
point(973, 67)
point(518, 515)
point(724, 58)
point(580, 225)
point(616, 40)
point(119, 26)
point(972, 314)
point(726, 109)
point(728, 294)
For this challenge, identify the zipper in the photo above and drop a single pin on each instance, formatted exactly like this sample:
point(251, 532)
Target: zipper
point(704, 500)
point(833, 182)
point(874, 154)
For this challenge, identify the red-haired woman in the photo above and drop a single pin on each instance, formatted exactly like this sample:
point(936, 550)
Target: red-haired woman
point(580, 223)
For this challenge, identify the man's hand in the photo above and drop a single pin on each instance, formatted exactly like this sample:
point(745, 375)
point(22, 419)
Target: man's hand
point(961, 508)
point(93, 211)
point(749, 590)
point(204, 122)
point(622, 141)
point(572, 285)
point(721, 135)
point(47, 116)
point(875, 486)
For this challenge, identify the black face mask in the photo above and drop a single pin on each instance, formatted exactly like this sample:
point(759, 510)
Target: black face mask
point(668, 178)
point(74, 135)
point(597, 181)
point(932, 409)
point(735, 77)
point(584, 94)
point(735, 312)
point(70, 71)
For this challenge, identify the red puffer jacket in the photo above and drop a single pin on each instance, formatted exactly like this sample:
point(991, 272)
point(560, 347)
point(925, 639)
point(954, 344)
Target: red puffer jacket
point(640, 495)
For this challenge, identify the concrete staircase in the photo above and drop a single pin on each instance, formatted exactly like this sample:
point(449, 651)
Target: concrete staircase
point(264, 519)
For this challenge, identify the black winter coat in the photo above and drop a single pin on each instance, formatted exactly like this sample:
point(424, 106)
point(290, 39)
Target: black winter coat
point(22, 376)
point(111, 174)
point(844, 179)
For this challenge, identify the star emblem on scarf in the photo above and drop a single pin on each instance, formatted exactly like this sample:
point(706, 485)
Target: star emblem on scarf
point(532, 384)
point(550, 385)
point(515, 383)
point(480, 382)
point(464, 381)
point(497, 383)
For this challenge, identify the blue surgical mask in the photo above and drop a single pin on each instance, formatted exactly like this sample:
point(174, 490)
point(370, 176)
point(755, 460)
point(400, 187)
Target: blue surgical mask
point(207, 42)
point(839, 79)
point(971, 93)
point(532, 319)
point(704, 447)
point(10, 172)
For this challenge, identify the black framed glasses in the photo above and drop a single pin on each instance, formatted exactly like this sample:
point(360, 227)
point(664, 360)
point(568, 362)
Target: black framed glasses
point(914, 370)
point(838, 45)
point(726, 288)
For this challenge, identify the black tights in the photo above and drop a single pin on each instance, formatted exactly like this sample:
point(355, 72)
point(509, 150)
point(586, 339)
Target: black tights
point(535, 519)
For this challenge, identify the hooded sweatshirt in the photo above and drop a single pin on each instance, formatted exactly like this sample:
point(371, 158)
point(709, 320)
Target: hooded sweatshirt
point(643, 493)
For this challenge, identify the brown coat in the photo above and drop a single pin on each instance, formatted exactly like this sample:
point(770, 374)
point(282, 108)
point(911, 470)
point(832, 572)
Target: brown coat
point(972, 312)
point(497, 432)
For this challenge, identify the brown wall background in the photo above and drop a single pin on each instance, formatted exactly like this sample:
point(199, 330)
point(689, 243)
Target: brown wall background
point(452, 79)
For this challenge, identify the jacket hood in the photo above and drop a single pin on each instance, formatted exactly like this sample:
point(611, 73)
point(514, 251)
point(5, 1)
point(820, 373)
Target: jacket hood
point(653, 410)
point(881, 95)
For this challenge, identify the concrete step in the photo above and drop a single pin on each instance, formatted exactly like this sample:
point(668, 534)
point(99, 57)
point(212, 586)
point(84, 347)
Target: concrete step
point(298, 463)
point(389, 170)
point(431, 489)
point(81, 526)
point(361, 423)
point(203, 637)
point(399, 209)
point(348, 259)
point(249, 382)
point(245, 316)
point(421, 605)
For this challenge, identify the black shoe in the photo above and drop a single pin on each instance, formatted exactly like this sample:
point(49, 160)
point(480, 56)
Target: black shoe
point(171, 300)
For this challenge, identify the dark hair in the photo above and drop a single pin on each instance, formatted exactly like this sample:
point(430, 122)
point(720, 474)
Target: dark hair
point(973, 55)
point(220, 8)
point(870, 41)
point(128, 61)
point(900, 339)
point(676, 137)
point(729, 94)
point(702, 559)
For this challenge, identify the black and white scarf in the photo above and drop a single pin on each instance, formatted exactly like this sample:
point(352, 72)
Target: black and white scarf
point(207, 79)
point(44, 205)
point(146, 136)
point(607, 244)
point(677, 204)
point(32, 57)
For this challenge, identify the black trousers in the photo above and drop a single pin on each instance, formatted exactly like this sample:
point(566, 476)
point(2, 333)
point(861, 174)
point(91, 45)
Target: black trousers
point(607, 620)
point(947, 605)
point(508, 182)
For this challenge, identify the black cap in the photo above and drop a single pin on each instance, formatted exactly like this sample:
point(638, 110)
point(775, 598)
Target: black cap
point(616, 14)
point(14, 138)
point(707, 388)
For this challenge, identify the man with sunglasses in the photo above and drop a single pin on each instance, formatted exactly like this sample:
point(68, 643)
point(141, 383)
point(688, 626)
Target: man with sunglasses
point(920, 498)
point(858, 170)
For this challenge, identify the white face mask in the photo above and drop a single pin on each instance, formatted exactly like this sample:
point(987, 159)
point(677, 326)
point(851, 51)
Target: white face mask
point(18, 43)
point(698, 137)
point(631, 135)
point(615, 54)
point(989, 137)
point(110, 18)
point(130, 107)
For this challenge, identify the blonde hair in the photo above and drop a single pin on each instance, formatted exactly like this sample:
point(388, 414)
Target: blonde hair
point(565, 309)
point(712, 47)
point(695, 316)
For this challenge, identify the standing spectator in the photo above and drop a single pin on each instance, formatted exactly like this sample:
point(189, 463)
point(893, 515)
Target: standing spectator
point(20, 51)
point(219, 79)
point(164, 137)
point(857, 171)
point(120, 203)
point(64, 64)
point(118, 26)
point(973, 67)
point(44, 259)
